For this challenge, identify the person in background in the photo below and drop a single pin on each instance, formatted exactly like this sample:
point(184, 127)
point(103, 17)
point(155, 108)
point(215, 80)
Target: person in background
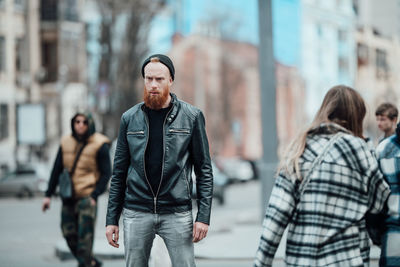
point(160, 141)
point(325, 212)
point(388, 152)
point(90, 178)
point(386, 118)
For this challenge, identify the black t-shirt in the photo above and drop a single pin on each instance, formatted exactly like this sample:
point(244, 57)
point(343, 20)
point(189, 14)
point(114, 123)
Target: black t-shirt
point(155, 146)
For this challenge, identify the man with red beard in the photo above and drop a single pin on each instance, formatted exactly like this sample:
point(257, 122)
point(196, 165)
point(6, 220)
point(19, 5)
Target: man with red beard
point(160, 141)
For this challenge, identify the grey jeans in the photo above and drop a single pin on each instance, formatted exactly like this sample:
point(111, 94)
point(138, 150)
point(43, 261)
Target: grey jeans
point(175, 229)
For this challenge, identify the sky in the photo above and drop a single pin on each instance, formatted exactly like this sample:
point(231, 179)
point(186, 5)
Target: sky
point(239, 19)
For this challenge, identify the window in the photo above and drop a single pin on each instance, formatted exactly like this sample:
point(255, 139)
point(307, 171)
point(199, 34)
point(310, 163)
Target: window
point(319, 30)
point(342, 36)
point(362, 55)
point(49, 60)
point(343, 69)
point(381, 63)
point(342, 42)
point(18, 54)
point(48, 10)
point(19, 5)
point(2, 54)
point(356, 7)
point(3, 121)
point(69, 10)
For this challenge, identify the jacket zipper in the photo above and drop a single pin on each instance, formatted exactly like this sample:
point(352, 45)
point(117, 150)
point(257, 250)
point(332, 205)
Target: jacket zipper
point(162, 166)
point(144, 164)
point(179, 131)
point(136, 132)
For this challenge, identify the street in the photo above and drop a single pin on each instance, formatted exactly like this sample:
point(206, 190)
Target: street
point(29, 236)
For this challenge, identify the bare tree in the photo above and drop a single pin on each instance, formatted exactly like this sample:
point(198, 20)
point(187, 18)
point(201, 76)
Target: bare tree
point(122, 53)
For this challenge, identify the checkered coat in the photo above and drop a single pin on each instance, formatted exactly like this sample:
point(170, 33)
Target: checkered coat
point(388, 152)
point(328, 228)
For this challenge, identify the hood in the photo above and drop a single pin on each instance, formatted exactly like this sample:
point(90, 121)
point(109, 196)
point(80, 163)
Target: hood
point(91, 125)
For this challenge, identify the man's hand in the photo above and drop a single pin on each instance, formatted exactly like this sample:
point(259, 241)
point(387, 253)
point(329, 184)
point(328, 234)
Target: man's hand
point(112, 234)
point(199, 231)
point(92, 201)
point(46, 204)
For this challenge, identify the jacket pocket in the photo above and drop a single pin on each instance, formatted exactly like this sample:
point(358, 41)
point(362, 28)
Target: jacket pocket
point(138, 132)
point(183, 131)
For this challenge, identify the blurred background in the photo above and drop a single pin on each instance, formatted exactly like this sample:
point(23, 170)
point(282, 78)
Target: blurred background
point(258, 71)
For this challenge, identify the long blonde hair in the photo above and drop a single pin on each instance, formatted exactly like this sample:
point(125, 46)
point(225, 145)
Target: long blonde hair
point(342, 105)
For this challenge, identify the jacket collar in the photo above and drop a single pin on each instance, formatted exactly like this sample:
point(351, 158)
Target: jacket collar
point(174, 109)
point(328, 128)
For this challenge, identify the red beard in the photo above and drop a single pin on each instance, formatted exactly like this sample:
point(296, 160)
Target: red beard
point(155, 102)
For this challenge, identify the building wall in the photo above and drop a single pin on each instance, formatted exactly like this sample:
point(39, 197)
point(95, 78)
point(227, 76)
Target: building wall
point(64, 90)
point(327, 48)
point(22, 80)
point(12, 27)
point(377, 73)
point(383, 16)
point(290, 95)
point(222, 78)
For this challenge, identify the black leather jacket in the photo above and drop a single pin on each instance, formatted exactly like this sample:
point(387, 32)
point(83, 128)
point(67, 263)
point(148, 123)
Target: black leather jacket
point(185, 145)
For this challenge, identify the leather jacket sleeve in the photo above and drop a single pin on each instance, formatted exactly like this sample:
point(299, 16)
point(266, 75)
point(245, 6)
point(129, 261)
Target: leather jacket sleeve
point(57, 169)
point(118, 178)
point(104, 166)
point(203, 170)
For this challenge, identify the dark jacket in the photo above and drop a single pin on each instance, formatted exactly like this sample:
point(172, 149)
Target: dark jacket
point(185, 146)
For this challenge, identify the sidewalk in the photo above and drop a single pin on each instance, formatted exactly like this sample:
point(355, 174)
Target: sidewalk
point(234, 232)
point(237, 241)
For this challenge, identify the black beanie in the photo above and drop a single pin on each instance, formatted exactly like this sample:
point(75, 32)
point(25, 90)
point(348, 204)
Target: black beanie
point(164, 60)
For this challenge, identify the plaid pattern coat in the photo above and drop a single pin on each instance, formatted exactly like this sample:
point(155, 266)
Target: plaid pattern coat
point(329, 227)
point(388, 152)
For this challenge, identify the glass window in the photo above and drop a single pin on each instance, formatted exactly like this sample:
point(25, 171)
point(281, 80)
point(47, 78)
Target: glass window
point(362, 54)
point(18, 54)
point(381, 63)
point(19, 5)
point(3, 121)
point(49, 60)
point(48, 10)
point(2, 54)
point(342, 35)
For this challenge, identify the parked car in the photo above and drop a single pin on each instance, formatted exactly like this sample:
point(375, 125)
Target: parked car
point(237, 170)
point(22, 182)
point(220, 183)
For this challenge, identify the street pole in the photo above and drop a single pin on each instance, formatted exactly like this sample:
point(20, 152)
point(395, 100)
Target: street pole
point(268, 102)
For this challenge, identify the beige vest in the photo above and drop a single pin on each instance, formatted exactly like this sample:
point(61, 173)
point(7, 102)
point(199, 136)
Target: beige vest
point(86, 172)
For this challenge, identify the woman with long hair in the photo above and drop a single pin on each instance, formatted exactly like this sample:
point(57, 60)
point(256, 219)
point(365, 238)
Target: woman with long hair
point(327, 182)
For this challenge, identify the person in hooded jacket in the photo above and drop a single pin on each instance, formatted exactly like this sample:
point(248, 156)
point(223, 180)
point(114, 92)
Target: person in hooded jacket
point(90, 178)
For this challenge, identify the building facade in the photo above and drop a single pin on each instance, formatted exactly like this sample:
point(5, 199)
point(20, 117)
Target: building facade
point(222, 78)
point(328, 48)
point(19, 64)
point(377, 72)
point(42, 63)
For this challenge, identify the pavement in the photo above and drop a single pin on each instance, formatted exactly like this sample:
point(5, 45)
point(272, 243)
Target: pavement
point(234, 233)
